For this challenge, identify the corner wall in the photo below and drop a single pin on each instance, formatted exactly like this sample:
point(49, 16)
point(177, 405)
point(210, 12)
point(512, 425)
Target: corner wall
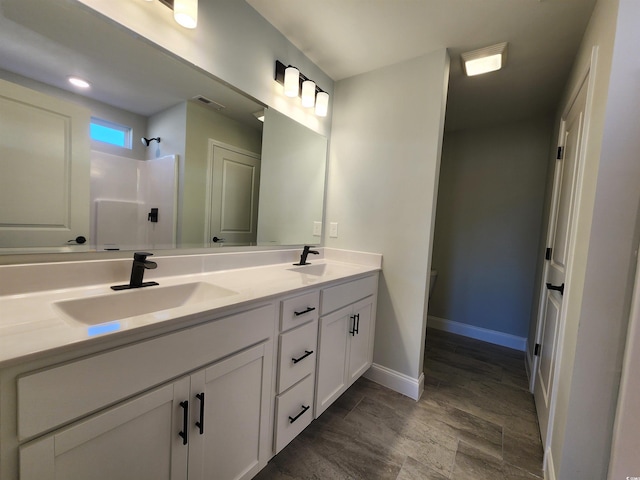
point(383, 175)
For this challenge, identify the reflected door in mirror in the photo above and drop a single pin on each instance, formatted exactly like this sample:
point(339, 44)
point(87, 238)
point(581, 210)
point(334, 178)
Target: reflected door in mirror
point(44, 169)
point(235, 181)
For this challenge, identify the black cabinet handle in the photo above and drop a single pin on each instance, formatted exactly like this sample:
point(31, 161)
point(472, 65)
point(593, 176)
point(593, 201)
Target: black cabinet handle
point(356, 324)
point(309, 309)
point(200, 423)
point(306, 354)
point(304, 409)
point(185, 423)
point(555, 287)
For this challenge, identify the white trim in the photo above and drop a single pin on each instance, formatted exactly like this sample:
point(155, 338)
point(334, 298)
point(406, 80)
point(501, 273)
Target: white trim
point(399, 382)
point(528, 364)
point(479, 333)
point(549, 472)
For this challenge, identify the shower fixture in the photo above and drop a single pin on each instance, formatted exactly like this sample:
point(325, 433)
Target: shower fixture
point(146, 141)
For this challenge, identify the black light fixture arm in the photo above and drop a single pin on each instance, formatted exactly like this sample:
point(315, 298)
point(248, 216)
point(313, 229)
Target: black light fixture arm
point(279, 77)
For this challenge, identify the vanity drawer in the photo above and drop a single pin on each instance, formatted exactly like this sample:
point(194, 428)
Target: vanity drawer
point(298, 310)
point(344, 294)
point(297, 354)
point(294, 412)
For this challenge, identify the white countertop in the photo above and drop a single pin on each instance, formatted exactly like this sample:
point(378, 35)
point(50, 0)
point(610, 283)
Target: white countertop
point(30, 323)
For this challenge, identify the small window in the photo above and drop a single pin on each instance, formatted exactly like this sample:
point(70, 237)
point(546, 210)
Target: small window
point(111, 133)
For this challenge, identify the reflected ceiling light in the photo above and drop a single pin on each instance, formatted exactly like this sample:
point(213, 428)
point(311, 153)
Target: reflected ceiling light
point(79, 82)
point(291, 81)
point(296, 84)
point(485, 60)
point(308, 93)
point(185, 12)
point(322, 104)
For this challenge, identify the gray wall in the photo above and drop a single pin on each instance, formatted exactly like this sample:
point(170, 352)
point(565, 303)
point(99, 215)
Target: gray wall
point(488, 223)
point(383, 175)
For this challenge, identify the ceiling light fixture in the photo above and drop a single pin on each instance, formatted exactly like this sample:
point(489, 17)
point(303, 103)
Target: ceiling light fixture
point(296, 84)
point(484, 60)
point(79, 82)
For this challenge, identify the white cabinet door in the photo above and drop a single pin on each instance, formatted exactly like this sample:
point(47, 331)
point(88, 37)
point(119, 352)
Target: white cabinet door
point(229, 437)
point(136, 440)
point(332, 356)
point(360, 338)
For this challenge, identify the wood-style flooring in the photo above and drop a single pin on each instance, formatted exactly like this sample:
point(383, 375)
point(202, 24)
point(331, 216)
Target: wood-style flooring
point(476, 420)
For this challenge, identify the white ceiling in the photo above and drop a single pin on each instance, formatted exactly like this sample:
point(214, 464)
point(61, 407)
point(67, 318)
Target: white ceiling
point(349, 37)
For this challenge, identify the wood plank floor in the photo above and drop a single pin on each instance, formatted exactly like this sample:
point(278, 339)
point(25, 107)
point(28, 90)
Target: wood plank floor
point(476, 420)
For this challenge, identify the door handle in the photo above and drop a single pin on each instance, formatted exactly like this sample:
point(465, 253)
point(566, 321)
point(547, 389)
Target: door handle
point(556, 287)
point(217, 240)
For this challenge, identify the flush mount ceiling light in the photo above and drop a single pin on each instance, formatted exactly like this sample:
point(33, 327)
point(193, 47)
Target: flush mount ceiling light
point(485, 60)
point(79, 82)
point(296, 84)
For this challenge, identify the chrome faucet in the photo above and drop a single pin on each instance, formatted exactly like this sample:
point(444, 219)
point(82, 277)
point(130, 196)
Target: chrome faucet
point(140, 264)
point(305, 252)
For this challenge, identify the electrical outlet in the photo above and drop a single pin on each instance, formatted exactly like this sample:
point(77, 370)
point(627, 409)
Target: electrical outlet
point(333, 230)
point(317, 229)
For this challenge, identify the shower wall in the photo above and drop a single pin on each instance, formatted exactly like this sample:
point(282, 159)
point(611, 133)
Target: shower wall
point(123, 192)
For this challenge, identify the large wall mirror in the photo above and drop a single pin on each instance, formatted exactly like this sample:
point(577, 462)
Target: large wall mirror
point(175, 159)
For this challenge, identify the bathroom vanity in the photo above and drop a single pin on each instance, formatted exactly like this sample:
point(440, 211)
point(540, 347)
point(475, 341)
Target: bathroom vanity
point(234, 365)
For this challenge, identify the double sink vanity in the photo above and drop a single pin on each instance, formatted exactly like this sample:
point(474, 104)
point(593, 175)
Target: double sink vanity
point(207, 375)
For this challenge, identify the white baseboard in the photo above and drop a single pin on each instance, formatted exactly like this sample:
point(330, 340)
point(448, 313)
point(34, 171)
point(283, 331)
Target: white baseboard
point(399, 382)
point(549, 472)
point(479, 333)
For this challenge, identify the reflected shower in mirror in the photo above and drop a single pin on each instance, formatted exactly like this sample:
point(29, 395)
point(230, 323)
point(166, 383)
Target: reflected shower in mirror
point(198, 181)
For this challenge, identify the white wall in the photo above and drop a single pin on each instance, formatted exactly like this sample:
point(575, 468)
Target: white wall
point(232, 42)
point(599, 281)
point(383, 174)
point(490, 198)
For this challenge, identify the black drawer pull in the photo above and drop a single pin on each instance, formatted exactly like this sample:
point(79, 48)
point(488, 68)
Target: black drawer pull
point(304, 409)
point(185, 423)
point(356, 324)
point(306, 354)
point(200, 423)
point(309, 309)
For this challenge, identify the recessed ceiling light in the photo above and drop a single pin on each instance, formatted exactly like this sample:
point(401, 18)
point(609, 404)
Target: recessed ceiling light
point(79, 82)
point(484, 60)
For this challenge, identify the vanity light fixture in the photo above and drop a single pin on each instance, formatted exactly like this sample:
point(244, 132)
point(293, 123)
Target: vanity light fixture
point(185, 12)
point(297, 84)
point(291, 81)
point(79, 82)
point(308, 93)
point(322, 104)
point(484, 60)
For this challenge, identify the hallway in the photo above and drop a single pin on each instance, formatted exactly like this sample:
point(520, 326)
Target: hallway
point(475, 420)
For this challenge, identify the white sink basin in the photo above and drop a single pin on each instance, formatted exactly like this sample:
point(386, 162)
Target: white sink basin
point(140, 301)
point(319, 269)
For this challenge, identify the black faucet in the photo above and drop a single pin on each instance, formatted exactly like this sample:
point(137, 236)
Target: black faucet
point(305, 252)
point(140, 264)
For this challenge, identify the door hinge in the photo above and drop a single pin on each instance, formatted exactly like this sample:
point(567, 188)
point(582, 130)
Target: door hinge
point(547, 255)
point(536, 350)
point(560, 153)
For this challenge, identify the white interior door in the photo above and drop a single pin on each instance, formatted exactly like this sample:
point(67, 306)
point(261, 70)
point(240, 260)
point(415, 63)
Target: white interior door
point(558, 239)
point(235, 182)
point(44, 169)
